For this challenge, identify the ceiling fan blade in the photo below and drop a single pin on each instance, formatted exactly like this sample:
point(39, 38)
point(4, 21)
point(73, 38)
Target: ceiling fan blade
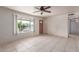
point(48, 11)
point(48, 7)
point(37, 8)
point(36, 11)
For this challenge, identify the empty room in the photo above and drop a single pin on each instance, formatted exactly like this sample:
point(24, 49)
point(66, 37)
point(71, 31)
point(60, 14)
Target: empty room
point(39, 28)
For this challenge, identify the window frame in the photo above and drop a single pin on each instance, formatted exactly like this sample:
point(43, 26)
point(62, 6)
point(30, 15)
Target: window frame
point(26, 19)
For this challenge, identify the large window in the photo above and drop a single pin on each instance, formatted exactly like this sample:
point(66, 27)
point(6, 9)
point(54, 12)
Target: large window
point(23, 25)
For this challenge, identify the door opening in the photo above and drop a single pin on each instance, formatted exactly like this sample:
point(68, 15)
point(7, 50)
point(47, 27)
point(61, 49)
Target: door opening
point(40, 26)
point(73, 25)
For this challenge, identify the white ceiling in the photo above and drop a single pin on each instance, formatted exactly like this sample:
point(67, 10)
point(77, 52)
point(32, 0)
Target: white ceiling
point(54, 9)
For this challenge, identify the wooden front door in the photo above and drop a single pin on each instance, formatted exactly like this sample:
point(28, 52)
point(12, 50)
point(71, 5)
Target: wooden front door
point(40, 26)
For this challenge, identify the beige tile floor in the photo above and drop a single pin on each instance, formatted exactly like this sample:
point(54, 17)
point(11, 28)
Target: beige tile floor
point(43, 43)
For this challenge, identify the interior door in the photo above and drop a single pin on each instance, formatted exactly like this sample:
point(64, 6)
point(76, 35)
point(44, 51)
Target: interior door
point(40, 26)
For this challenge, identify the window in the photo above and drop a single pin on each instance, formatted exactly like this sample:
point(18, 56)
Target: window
point(24, 26)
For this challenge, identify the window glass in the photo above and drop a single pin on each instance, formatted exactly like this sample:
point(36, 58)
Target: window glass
point(24, 26)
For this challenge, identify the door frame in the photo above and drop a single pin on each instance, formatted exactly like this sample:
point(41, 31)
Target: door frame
point(41, 28)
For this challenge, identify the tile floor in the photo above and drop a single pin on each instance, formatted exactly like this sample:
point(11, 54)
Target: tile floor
point(43, 43)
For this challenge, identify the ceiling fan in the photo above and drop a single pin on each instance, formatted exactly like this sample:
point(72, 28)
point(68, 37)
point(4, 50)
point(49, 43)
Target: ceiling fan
point(42, 9)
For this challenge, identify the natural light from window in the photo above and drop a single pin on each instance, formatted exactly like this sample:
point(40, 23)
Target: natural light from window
point(24, 26)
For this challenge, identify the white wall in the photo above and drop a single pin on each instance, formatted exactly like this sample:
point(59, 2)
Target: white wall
point(6, 26)
point(57, 25)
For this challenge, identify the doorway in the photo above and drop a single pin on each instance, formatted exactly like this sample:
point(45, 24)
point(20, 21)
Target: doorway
point(40, 26)
point(73, 25)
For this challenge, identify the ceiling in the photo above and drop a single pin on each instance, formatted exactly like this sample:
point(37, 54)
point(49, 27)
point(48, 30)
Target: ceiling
point(54, 9)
